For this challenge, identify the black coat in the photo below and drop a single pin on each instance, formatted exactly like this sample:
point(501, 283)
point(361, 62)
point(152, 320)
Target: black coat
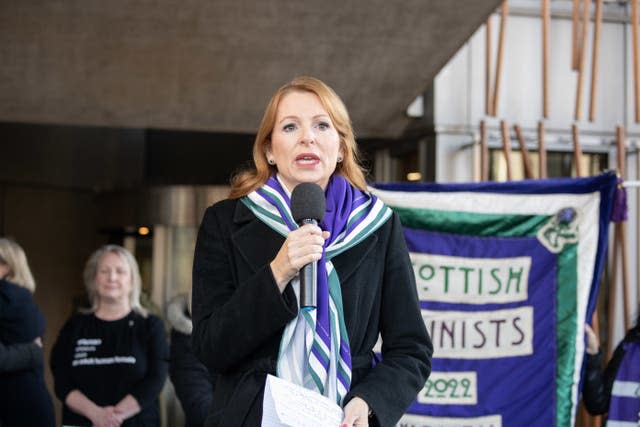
point(596, 391)
point(16, 357)
point(191, 379)
point(239, 315)
point(24, 397)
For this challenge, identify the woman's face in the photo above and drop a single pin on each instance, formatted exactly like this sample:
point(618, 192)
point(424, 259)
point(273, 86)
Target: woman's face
point(113, 279)
point(305, 145)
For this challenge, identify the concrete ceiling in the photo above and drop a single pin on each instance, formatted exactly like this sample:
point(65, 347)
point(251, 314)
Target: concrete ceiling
point(212, 65)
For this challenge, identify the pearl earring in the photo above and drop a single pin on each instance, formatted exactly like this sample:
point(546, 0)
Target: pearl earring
point(339, 159)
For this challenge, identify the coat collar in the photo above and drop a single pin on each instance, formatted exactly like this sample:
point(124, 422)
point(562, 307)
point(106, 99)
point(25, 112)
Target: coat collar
point(258, 244)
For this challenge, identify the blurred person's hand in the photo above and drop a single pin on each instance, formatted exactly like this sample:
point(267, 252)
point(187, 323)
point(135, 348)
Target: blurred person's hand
point(105, 416)
point(593, 343)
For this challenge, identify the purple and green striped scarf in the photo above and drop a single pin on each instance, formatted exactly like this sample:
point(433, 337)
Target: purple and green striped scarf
point(314, 351)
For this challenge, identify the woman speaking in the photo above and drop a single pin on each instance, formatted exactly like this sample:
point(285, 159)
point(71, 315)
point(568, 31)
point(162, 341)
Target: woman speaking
point(247, 321)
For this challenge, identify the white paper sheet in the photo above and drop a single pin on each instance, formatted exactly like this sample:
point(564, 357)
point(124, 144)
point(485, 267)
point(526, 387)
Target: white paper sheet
point(288, 405)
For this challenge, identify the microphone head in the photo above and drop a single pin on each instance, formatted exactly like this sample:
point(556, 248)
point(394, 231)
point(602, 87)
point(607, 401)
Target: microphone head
point(307, 202)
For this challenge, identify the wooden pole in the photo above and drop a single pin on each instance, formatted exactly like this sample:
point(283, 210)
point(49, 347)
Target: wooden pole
point(577, 150)
point(574, 34)
point(526, 160)
point(619, 245)
point(506, 147)
point(484, 152)
point(596, 420)
point(625, 272)
point(504, 13)
point(488, 105)
point(545, 58)
point(595, 55)
point(581, 58)
point(621, 160)
point(542, 152)
point(636, 68)
point(620, 151)
point(611, 306)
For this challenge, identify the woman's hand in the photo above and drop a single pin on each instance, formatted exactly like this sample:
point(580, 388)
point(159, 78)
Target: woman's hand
point(127, 407)
point(593, 343)
point(105, 416)
point(356, 413)
point(302, 246)
point(100, 416)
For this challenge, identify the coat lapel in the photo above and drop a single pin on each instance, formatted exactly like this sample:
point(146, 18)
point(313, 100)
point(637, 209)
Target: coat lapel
point(256, 243)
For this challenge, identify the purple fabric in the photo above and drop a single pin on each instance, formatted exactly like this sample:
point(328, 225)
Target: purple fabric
point(341, 200)
point(620, 208)
point(619, 212)
point(627, 408)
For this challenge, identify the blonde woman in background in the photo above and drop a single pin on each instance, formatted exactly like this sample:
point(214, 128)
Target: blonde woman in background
point(110, 361)
point(24, 398)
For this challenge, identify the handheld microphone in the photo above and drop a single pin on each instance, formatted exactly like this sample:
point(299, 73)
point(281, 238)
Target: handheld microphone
point(307, 207)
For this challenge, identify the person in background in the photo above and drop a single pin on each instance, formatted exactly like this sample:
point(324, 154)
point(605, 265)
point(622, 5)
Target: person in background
point(616, 389)
point(192, 381)
point(110, 361)
point(24, 398)
point(247, 321)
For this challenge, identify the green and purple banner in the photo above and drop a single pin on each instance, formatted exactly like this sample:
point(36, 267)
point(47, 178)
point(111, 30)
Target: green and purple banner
point(507, 274)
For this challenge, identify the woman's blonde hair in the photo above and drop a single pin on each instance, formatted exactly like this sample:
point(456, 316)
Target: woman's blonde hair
point(91, 270)
point(248, 180)
point(12, 255)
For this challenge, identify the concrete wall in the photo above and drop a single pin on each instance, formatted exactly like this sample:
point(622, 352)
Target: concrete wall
point(212, 65)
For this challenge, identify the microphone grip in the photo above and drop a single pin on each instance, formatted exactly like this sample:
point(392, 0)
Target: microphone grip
point(308, 286)
point(309, 280)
